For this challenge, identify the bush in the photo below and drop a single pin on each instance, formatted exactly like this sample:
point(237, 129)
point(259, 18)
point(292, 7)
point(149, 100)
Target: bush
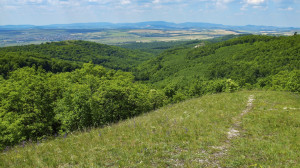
point(231, 86)
point(287, 80)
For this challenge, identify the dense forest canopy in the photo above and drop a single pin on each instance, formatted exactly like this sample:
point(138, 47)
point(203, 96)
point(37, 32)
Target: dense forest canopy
point(249, 60)
point(66, 56)
point(50, 88)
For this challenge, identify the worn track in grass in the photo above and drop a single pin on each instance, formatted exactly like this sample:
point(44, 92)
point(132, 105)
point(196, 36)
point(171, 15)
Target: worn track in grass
point(233, 132)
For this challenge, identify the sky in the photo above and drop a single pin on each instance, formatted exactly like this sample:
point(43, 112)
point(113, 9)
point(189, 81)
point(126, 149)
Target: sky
point(285, 13)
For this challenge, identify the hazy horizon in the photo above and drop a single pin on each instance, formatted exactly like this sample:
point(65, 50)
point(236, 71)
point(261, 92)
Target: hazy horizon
point(282, 13)
point(142, 22)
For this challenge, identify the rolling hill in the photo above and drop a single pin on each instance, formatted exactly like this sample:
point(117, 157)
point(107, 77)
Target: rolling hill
point(242, 129)
point(68, 55)
point(251, 61)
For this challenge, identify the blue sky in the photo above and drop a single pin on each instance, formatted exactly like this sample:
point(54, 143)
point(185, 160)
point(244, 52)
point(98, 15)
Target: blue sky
point(228, 12)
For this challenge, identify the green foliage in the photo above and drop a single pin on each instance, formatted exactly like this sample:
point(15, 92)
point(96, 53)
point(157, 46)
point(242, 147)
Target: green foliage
point(12, 60)
point(287, 80)
point(62, 56)
point(211, 49)
point(199, 88)
point(47, 89)
point(34, 103)
point(250, 61)
point(160, 46)
point(26, 109)
point(231, 86)
point(97, 98)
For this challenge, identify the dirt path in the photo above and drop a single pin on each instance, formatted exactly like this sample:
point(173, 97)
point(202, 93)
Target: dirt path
point(232, 133)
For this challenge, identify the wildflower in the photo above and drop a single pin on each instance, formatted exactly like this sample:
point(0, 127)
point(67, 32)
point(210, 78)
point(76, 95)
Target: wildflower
point(6, 149)
point(45, 138)
point(23, 143)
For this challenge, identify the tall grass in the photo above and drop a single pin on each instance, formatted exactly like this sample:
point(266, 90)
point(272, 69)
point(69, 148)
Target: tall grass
point(179, 135)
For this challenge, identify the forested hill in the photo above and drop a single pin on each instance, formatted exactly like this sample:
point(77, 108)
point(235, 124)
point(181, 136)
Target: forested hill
point(159, 46)
point(36, 102)
point(68, 55)
point(251, 61)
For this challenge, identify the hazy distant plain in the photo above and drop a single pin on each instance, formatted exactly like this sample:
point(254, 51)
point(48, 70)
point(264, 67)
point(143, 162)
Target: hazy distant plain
point(112, 36)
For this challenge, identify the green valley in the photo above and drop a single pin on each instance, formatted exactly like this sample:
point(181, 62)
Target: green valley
point(149, 84)
point(231, 101)
point(249, 61)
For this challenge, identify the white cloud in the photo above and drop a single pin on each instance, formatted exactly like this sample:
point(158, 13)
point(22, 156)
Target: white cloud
point(156, 1)
point(58, 2)
point(254, 2)
point(125, 2)
point(286, 9)
point(244, 7)
point(19, 2)
point(35, 1)
point(226, 1)
point(11, 7)
point(223, 3)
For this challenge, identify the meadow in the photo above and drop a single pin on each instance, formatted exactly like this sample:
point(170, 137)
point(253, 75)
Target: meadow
point(192, 133)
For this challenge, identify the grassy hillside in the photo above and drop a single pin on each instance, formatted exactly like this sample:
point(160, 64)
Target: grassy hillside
point(227, 130)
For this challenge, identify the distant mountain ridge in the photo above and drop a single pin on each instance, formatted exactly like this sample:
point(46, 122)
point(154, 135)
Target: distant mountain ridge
point(148, 25)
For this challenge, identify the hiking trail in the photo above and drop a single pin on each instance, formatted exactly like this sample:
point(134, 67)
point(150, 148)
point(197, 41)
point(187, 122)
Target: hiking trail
point(233, 132)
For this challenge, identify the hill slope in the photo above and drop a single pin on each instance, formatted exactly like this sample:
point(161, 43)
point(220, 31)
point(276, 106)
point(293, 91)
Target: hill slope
point(69, 54)
point(240, 129)
point(249, 60)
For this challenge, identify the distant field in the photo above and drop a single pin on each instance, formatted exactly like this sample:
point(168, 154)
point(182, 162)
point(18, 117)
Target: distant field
point(37, 36)
point(113, 36)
